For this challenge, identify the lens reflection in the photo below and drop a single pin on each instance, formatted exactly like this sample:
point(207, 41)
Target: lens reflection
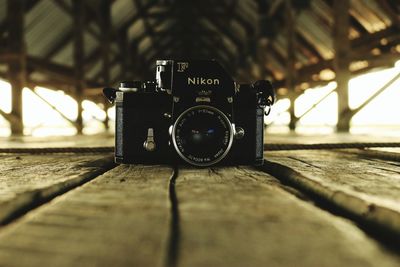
point(203, 135)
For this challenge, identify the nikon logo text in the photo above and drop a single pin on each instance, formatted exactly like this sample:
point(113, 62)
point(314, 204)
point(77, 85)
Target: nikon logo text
point(202, 81)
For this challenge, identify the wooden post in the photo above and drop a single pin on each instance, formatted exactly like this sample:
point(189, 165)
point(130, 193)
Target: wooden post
point(124, 54)
point(16, 61)
point(341, 44)
point(105, 25)
point(291, 60)
point(78, 8)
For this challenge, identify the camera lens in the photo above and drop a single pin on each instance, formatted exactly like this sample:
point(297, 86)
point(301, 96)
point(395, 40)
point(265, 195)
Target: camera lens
point(202, 135)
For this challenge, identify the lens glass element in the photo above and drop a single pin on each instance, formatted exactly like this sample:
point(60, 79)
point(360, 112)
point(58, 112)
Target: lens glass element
point(202, 135)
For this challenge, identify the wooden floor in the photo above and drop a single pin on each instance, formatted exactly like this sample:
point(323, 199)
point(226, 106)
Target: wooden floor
point(302, 208)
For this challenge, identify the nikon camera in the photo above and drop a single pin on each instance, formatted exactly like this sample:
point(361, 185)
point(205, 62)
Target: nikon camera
point(193, 112)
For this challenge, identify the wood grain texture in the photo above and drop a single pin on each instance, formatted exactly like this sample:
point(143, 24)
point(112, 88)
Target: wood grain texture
point(243, 217)
point(118, 219)
point(29, 180)
point(363, 185)
point(57, 141)
point(389, 154)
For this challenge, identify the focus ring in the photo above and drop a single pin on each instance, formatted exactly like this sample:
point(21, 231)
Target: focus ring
point(187, 118)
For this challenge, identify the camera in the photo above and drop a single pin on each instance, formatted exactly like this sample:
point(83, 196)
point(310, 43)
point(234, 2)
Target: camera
point(192, 112)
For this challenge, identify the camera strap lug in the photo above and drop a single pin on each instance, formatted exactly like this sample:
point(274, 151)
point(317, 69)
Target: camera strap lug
point(150, 144)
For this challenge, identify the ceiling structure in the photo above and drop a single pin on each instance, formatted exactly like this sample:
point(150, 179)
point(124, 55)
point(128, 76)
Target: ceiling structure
point(248, 37)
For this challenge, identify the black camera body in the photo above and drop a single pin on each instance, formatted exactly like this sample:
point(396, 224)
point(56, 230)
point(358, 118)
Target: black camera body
point(193, 111)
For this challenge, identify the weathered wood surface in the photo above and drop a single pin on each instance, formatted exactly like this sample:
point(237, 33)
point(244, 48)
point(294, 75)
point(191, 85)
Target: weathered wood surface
point(294, 138)
point(362, 184)
point(108, 140)
point(27, 181)
point(390, 154)
point(57, 141)
point(224, 217)
point(234, 216)
point(242, 217)
point(119, 219)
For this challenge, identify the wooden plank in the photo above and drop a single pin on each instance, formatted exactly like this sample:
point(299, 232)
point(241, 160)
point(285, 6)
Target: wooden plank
point(119, 219)
point(390, 154)
point(27, 181)
point(294, 138)
point(362, 185)
point(243, 217)
point(94, 141)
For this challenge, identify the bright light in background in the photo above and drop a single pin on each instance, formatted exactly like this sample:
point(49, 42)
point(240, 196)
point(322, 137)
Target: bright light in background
point(42, 120)
point(279, 116)
point(111, 113)
point(381, 114)
point(327, 107)
point(384, 111)
point(5, 105)
point(93, 117)
point(5, 96)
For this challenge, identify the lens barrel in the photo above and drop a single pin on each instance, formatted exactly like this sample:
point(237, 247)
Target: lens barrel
point(202, 135)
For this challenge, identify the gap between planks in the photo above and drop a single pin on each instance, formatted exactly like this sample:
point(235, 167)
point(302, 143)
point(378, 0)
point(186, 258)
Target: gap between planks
point(352, 183)
point(243, 217)
point(221, 217)
point(29, 181)
point(121, 218)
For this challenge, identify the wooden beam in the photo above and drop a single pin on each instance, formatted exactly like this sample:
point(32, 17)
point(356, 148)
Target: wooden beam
point(237, 15)
point(63, 41)
point(64, 6)
point(93, 93)
point(29, 4)
point(305, 74)
point(222, 28)
point(366, 42)
point(60, 43)
point(274, 7)
point(11, 118)
point(360, 51)
point(391, 12)
point(58, 71)
point(16, 63)
point(147, 26)
point(123, 44)
point(291, 60)
point(341, 61)
point(54, 71)
point(205, 38)
point(132, 55)
point(147, 6)
point(79, 24)
point(307, 48)
point(105, 25)
point(71, 11)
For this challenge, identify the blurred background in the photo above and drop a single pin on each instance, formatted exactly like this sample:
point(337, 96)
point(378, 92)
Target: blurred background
point(334, 63)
